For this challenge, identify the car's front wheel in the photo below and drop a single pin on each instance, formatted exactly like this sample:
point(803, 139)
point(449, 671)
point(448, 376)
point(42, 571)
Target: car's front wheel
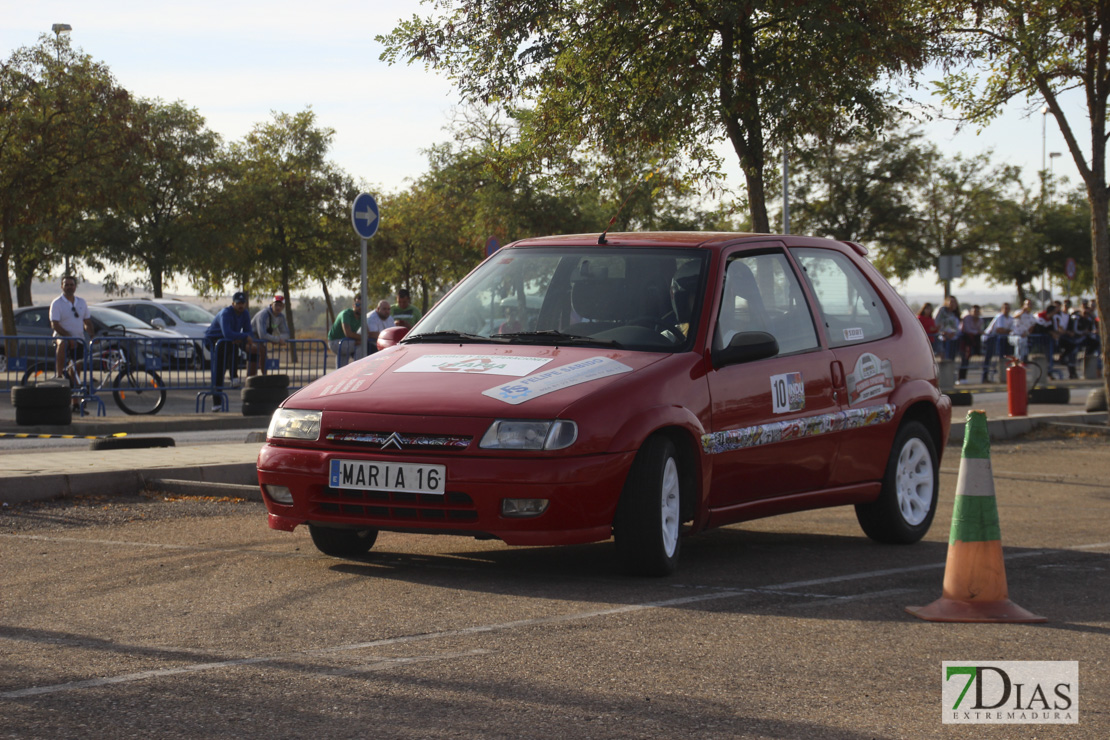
point(907, 503)
point(342, 543)
point(649, 513)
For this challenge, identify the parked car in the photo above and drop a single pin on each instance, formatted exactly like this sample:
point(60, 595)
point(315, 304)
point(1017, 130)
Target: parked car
point(666, 384)
point(170, 346)
point(180, 316)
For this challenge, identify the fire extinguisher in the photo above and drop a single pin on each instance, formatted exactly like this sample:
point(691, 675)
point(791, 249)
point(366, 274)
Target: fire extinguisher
point(1017, 395)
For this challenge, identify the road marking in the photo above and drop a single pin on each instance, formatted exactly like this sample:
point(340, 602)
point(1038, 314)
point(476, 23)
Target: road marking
point(783, 589)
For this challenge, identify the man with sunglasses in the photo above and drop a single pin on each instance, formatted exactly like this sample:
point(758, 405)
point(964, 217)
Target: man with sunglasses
point(229, 331)
point(69, 317)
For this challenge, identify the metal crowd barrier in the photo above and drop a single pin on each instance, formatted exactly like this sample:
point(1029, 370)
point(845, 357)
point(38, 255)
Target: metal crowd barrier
point(178, 364)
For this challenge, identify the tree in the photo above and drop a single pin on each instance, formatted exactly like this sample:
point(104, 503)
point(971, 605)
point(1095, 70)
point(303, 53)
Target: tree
point(866, 190)
point(287, 211)
point(160, 227)
point(65, 127)
point(1036, 50)
point(662, 81)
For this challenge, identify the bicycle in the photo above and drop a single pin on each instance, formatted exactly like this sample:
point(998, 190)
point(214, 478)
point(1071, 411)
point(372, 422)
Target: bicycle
point(136, 390)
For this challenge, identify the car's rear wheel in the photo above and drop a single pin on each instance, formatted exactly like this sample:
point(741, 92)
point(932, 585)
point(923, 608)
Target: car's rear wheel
point(907, 503)
point(342, 543)
point(649, 513)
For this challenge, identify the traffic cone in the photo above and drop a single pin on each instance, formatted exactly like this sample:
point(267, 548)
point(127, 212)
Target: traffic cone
point(975, 573)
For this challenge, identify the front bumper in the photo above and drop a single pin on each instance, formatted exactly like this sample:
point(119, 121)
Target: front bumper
point(582, 492)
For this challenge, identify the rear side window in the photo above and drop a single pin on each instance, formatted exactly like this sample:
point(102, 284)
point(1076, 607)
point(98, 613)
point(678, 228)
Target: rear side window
point(847, 302)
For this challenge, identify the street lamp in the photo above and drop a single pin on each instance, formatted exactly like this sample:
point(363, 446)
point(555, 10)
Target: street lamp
point(61, 29)
point(1044, 124)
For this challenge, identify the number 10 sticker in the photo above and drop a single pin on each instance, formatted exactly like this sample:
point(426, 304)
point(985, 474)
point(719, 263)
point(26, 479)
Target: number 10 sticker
point(788, 393)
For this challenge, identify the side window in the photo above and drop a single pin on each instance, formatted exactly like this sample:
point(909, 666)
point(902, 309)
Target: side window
point(761, 293)
point(848, 303)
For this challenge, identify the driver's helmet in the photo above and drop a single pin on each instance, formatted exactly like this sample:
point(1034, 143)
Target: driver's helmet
point(684, 287)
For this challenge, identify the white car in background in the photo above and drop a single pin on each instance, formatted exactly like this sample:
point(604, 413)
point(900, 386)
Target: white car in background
point(180, 316)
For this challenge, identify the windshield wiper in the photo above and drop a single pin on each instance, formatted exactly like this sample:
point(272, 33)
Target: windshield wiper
point(448, 337)
point(549, 336)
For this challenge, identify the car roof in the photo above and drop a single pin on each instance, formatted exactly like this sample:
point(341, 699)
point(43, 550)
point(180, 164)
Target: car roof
point(673, 239)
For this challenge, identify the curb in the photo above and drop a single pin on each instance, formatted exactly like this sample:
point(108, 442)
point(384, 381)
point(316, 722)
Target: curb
point(28, 488)
point(106, 426)
point(1011, 427)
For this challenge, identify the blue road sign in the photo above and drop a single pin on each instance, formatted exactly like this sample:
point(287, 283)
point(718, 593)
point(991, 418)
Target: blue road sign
point(364, 215)
point(492, 246)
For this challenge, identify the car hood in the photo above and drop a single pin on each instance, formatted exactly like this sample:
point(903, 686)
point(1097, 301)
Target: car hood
point(471, 380)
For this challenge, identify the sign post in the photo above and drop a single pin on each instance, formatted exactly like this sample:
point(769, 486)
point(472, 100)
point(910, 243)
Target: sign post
point(1070, 270)
point(365, 219)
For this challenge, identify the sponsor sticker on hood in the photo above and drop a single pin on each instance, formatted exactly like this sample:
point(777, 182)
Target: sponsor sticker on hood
point(556, 379)
point(475, 365)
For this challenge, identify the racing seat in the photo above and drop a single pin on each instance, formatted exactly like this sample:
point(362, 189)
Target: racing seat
point(599, 304)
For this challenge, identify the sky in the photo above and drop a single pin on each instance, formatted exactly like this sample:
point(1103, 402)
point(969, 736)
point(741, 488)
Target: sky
point(237, 61)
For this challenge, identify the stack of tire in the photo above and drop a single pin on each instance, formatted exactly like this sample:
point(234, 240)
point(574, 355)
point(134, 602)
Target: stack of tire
point(46, 404)
point(262, 394)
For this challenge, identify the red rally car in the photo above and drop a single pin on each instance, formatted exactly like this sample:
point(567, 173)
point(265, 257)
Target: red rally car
point(637, 386)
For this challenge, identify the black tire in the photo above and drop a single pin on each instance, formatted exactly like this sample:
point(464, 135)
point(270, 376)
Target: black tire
point(139, 392)
point(40, 372)
point(42, 396)
point(35, 416)
point(961, 398)
point(263, 395)
point(1096, 399)
point(904, 510)
point(648, 523)
point(131, 443)
point(251, 408)
point(342, 543)
point(267, 381)
point(1050, 394)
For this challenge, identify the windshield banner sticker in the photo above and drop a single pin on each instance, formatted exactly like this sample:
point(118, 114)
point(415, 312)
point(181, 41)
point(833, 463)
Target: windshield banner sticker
point(788, 393)
point(871, 377)
point(475, 365)
point(784, 431)
point(556, 379)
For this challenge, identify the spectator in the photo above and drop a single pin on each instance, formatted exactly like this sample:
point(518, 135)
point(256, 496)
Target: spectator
point(1045, 331)
point(229, 332)
point(998, 331)
point(344, 337)
point(69, 317)
point(925, 316)
point(269, 325)
point(971, 330)
point(377, 321)
point(404, 313)
point(948, 327)
point(1024, 321)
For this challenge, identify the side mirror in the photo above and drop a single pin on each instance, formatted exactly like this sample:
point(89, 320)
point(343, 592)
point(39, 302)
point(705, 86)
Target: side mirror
point(746, 347)
point(158, 323)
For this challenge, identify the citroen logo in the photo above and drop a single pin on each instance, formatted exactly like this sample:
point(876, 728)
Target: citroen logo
point(394, 439)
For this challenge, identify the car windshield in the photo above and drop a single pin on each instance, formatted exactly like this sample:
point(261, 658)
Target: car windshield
point(638, 299)
point(189, 313)
point(112, 317)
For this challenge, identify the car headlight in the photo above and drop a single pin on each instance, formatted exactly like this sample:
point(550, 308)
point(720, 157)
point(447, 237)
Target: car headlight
point(515, 434)
point(295, 424)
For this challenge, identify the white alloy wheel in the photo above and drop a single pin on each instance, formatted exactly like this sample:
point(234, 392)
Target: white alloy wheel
point(915, 482)
point(669, 495)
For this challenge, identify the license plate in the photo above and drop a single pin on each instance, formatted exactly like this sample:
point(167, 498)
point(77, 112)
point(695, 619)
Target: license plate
point(388, 476)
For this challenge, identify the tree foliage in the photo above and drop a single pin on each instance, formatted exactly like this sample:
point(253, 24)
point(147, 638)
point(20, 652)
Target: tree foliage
point(665, 80)
point(161, 225)
point(65, 130)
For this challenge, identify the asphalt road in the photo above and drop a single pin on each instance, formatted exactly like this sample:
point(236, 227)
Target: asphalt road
point(189, 618)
